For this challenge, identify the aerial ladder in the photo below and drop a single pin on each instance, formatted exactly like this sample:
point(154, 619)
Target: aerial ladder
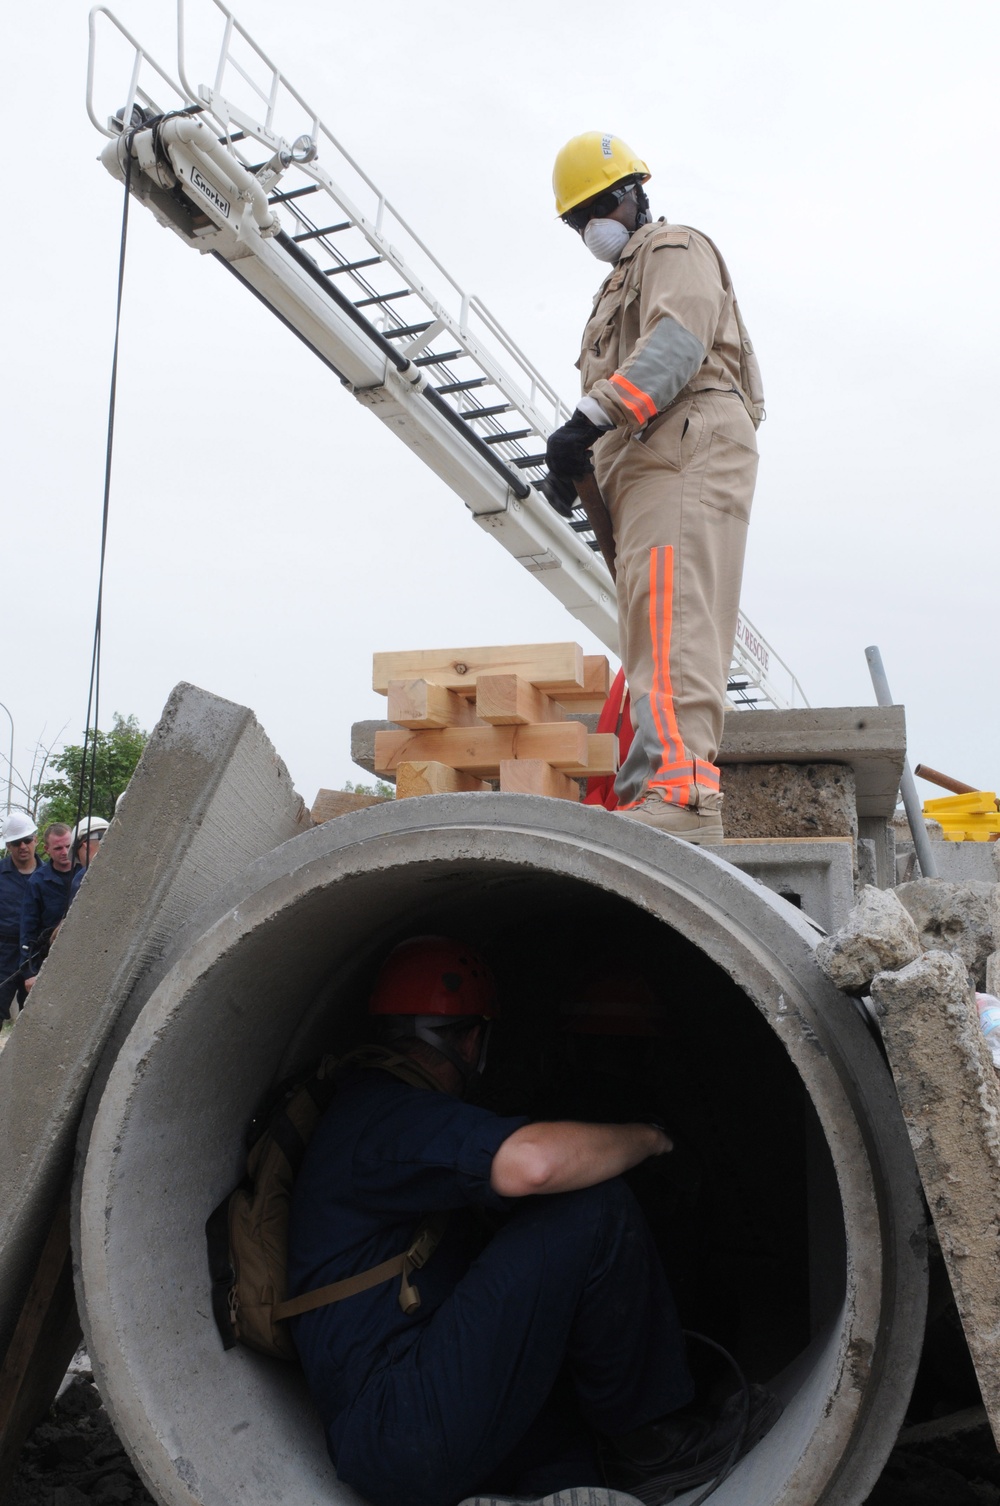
point(244, 170)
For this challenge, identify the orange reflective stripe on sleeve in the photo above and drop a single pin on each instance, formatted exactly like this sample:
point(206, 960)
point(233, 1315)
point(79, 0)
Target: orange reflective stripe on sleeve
point(643, 406)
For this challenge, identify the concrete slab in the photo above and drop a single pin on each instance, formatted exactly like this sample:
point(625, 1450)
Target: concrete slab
point(950, 1098)
point(872, 739)
point(209, 796)
point(817, 877)
point(955, 861)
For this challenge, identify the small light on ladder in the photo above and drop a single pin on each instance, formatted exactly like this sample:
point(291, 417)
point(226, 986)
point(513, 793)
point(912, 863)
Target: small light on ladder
point(304, 149)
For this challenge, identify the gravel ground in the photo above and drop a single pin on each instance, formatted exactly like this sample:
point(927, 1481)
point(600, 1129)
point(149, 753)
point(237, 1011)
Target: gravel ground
point(74, 1458)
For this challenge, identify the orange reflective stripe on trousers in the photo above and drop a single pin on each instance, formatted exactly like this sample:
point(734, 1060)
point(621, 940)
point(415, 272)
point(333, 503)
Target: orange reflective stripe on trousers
point(678, 771)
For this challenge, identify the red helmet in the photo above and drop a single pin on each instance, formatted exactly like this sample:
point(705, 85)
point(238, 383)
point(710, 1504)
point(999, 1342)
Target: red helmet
point(434, 975)
point(618, 1002)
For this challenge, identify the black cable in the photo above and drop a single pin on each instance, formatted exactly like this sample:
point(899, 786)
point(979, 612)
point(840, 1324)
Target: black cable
point(93, 694)
point(737, 1448)
point(140, 121)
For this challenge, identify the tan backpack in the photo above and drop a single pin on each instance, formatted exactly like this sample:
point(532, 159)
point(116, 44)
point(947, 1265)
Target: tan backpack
point(247, 1233)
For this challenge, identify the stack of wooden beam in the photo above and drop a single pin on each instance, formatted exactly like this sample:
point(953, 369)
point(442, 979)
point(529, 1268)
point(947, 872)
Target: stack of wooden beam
point(468, 716)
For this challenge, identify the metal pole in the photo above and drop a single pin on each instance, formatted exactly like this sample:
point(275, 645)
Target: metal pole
point(907, 787)
point(10, 760)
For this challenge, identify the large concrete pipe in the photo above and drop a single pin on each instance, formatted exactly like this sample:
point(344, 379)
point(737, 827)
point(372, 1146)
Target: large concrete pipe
point(806, 1211)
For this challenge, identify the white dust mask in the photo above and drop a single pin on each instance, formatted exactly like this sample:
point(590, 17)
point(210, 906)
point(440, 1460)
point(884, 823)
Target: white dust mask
point(607, 239)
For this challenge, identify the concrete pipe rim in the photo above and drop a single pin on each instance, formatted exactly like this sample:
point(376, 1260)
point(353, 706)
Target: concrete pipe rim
point(752, 935)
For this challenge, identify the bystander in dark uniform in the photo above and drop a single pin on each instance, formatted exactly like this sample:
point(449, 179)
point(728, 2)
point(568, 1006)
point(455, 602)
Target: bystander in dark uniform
point(88, 835)
point(20, 835)
point(46, 901)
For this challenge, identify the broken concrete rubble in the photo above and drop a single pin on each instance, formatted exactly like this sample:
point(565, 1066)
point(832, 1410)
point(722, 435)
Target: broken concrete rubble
point(878, 934)
point(950, 1099)
point(992, 975)
point(901, 826)
point(954, 917)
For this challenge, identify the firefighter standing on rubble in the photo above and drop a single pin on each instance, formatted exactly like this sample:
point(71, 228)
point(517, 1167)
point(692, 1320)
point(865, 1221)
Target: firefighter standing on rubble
point(671, 401)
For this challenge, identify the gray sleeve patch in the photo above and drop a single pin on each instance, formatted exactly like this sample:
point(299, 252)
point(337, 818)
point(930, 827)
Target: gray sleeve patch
point(667, 362)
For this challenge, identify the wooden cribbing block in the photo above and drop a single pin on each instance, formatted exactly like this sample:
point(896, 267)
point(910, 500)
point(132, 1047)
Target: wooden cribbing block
point(602, 757)
point(507, 700)
point(430, 778)
point(331, 803)
point(533, 776)
point(591, 695)
point(542, 664)
point(417, 704)
point(481, 750)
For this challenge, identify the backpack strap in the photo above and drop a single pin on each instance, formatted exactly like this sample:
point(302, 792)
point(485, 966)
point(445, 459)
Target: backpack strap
point(428, 1235)
point(400, 1066)
point(425, 1242)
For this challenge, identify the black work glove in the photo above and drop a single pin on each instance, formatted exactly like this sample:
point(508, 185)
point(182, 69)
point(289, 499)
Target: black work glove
point(567, 452)
point(560, 493)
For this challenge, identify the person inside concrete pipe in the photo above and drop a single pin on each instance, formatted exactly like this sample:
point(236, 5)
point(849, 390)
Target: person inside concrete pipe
point(543, 1352)
point(671, 399)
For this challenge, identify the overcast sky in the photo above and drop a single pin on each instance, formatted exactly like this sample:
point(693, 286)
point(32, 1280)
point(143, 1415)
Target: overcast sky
point(267, 534)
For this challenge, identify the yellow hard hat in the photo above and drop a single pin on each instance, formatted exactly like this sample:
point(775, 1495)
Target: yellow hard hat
point(590, 163)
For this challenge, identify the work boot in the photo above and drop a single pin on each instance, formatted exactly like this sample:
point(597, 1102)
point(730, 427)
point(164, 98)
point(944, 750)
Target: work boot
point(572, 1495)
point(687, 1448)
point(700, 823)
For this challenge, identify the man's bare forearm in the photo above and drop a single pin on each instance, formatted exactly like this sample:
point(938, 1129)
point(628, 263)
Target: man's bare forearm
point(565, 1155)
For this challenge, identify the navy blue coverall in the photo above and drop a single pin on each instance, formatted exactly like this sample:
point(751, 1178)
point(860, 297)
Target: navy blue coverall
point(524, 1303)
point(45, 904)
point(13, 887)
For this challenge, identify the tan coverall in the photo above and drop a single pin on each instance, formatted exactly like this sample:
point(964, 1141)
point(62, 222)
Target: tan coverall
point(661, 355)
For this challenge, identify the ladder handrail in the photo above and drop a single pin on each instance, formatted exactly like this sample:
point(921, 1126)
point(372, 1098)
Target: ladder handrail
point(141, 56)
point(372, 227)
